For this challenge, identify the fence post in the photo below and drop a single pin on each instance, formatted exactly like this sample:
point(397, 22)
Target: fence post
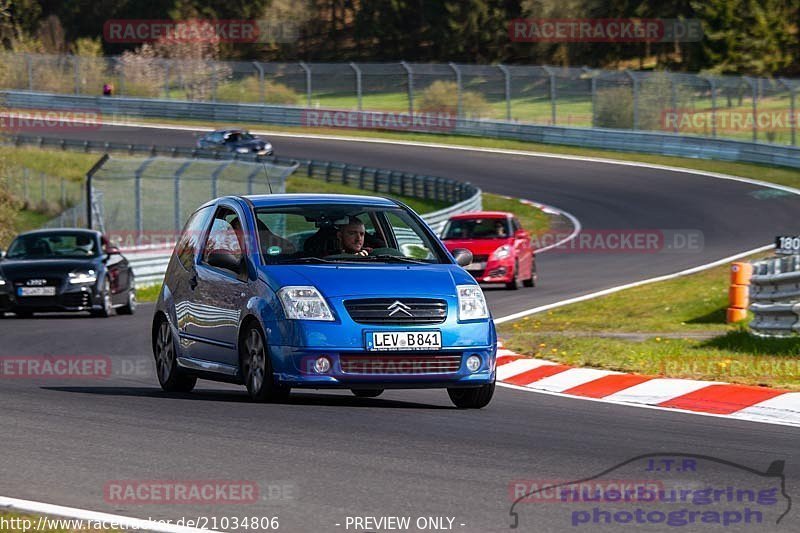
point(410, 87)
point(307, 70)
point(90, 191)
point(251, 178)
point(43, 185)
point(673, 98)
point(552, 82)
point(792, 108)
point(137, 191)
point(593, 90)
point(166, 78)
point(25, 185)
point(215, 177)
point(177, 200)
point(121, 72)
point(507, 76)
point(213, 81)
point(76, 67)
point(358, 83)
point(459, 98)
point(63, 195)
point(29, 65)
point(635, 82)
point(754, 94)
point(261, 88)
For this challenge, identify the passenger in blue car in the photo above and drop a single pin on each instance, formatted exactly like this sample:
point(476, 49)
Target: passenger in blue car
point(351, 237)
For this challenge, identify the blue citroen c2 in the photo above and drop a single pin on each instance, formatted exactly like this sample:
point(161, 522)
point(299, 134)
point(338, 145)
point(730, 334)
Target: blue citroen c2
point(321, 291)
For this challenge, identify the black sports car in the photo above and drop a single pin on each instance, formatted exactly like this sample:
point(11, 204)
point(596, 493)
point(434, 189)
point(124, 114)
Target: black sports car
point(233, 140)
point(65, 270)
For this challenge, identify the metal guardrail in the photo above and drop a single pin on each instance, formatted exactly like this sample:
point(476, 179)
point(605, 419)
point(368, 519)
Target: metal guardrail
point(775, 296)
point(668, 144)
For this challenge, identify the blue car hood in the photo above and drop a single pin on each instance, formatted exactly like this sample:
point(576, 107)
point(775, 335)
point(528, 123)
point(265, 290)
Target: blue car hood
point(373, 280)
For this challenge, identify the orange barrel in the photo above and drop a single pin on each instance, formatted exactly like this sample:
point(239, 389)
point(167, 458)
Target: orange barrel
point(739, 296)
point(740, 273)
point(735, 314)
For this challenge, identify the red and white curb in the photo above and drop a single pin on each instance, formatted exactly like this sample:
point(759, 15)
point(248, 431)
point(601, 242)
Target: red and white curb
point(758, 404)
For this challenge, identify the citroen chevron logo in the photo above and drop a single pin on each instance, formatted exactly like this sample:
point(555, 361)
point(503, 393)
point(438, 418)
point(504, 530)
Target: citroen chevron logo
point(399, 307)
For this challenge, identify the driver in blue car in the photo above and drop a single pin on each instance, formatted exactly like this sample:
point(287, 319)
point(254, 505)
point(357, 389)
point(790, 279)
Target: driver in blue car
point(351, 237)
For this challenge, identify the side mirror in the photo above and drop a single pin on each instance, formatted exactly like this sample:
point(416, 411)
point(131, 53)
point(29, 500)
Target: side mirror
point(521, 234)
point(225, 259)
point(462, 256)
point(113, 250)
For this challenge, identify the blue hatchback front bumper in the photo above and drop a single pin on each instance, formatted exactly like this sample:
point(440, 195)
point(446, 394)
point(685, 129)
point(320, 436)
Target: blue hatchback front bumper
point(295, 367)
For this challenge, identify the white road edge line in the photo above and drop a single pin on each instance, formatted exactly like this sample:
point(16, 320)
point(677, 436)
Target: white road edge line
point(94, 517)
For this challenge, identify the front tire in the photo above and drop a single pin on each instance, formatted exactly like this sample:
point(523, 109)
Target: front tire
point(366, 393)
point(130, 307)
point(514, 284)
point(472, 398)
point(257, 368)
point(108, 306)
point(169, 376)
point(531, 282)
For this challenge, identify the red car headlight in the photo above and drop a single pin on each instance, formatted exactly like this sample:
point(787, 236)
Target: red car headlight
point(502, 252)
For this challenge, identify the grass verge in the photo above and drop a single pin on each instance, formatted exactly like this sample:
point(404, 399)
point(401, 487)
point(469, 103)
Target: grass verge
point(674, 328)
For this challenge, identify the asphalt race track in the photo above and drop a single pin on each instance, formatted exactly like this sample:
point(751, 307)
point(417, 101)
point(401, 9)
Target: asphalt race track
point(325, 456)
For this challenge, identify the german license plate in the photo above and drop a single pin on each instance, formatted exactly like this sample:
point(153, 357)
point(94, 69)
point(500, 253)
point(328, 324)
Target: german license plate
point(404, 340)
point(36, 291)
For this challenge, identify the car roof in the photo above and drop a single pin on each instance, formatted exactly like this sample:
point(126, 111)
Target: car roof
point(482, 214)
point(231, 130)
point(61, 230)
point(274, 200)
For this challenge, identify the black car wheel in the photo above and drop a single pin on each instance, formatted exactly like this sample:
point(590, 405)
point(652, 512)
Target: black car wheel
point(367, 393)
point(472, 398)
point(257, 369)
point(514, 284)
point(23, 314)
point(105, 299)
point(531, 282)
point(130, 307)
point(169, 376)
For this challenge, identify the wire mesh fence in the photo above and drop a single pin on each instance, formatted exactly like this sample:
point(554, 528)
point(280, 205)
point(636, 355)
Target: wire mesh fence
point(714, 106)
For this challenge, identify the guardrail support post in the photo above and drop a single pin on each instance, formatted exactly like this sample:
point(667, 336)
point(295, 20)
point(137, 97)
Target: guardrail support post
point(459, 98)
point(261, 88)
point(552, 76)
point(307, 70)
point(166, 78)
point(410, 87)
point(507, 77)
point(592, 89)
point(215, 177)
point(358, 83)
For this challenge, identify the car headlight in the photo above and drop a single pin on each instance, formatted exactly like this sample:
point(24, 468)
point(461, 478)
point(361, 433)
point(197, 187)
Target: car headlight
point(502, 252)
point(2, 281)
point(471, 303)
point(267, 147)
point(88, 276)
point(243, 150)
point(304, 303)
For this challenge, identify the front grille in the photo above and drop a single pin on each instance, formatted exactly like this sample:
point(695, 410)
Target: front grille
point(395, 365)
point(387, 311)
point(480, 258)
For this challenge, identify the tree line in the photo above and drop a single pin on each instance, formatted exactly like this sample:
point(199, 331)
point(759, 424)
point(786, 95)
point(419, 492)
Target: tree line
point(753, 37)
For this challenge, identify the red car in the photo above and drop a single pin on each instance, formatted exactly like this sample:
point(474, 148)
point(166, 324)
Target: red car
point(501, 249)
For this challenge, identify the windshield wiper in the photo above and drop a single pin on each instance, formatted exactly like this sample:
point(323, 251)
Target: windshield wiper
point(301, 260)
point(392, 258)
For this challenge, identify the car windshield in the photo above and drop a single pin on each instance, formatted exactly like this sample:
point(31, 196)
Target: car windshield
point(238, 136)
point(477, 228)
point(344, 234)
point(56, 245)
